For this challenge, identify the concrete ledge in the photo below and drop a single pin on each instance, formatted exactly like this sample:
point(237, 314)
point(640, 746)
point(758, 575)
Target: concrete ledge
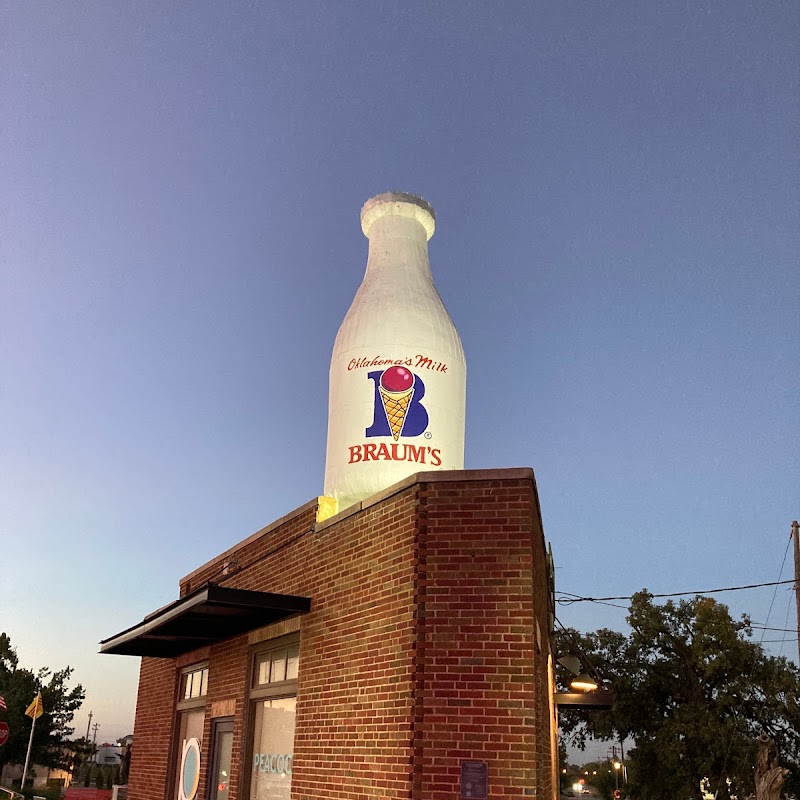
point(431, 476)
point(450, 476)
point(336, 518)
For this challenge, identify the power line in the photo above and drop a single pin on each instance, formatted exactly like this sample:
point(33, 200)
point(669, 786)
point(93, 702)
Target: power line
point(780, 630)
point(576, 598)
point(567, 598)
point(786, 621)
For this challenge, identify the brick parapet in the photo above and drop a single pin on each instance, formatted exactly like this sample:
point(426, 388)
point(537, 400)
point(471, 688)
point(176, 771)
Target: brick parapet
point(481, 675)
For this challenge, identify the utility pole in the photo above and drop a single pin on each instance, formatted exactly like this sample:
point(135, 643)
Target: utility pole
point(94, 733)
point(89, 724)
point(796, 536)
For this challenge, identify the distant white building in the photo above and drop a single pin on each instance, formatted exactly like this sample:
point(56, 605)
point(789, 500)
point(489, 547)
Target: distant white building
point(107, 755)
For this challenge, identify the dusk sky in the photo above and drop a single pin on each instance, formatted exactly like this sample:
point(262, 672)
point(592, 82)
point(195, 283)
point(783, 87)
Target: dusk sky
point(618, 229)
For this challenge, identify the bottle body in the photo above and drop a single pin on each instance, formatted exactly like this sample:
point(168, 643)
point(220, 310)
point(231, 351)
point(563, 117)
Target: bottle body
point(397, 374)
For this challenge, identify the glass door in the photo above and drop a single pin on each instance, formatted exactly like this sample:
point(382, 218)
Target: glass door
point(221, 749)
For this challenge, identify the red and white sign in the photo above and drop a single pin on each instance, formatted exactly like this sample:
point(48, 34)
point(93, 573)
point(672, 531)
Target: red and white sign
point(4, 732)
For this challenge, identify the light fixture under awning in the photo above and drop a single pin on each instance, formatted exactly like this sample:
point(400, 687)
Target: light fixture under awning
point(206, 616)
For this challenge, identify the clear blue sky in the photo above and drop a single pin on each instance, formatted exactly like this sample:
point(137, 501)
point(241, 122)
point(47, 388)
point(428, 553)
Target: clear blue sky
point(617, 195)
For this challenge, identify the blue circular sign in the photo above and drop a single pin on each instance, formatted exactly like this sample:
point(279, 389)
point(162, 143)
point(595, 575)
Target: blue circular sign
point(190, 769)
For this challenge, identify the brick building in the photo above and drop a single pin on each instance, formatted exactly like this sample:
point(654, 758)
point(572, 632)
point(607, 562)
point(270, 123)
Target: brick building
point(400, 649)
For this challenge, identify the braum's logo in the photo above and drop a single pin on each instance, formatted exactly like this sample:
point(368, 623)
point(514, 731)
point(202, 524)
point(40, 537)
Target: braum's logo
point(397, 410)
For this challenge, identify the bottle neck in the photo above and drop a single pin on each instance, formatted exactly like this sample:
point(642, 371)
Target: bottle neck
point(398, 249)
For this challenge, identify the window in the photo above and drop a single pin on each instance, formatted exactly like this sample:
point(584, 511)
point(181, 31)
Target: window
point(192, 691)
point(278, 665)
point(273, 699)
point(194, 684)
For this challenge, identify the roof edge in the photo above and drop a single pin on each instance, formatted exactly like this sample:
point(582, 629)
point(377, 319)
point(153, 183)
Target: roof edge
point(309, 506)
point(431, 476)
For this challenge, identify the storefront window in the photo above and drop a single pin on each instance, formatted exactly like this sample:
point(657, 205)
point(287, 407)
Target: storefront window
point(273, 746)
point(273, 697)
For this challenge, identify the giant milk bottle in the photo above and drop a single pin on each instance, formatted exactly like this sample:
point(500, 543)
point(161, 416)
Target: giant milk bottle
point(398, 375)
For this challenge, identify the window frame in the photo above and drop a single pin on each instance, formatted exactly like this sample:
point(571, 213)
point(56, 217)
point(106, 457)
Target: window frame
point(259, 692)
point(186, 704)
point(268, 691)
point(181, 707)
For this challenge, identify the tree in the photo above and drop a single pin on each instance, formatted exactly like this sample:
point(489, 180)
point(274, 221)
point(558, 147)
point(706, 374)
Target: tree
point(18, 687)
point(78, 752)
point(692, 693)
point(126, 764)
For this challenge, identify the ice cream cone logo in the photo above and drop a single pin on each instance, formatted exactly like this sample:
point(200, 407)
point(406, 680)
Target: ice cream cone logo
point(398, 411)
point(397, 389)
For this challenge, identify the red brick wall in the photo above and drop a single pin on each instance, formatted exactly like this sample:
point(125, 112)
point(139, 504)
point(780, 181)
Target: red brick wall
point(152, 731)
point(354, 698)
point(420, 648)
point(482, 675)
point(227, 681)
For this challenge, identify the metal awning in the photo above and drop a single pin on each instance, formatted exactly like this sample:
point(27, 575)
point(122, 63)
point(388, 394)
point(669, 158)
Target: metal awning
point(599, 700)
point(209, 615)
